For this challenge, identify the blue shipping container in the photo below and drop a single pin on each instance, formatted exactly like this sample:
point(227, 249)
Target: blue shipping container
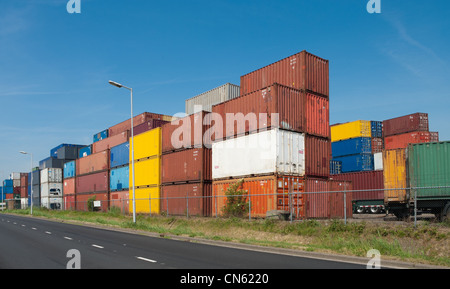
point(377, 128)
point(335, 167)
point(359, 145)
point(54, 151)
point(101, 135)
point(120, 155)
point(8, 183)
point(8, 190)
point(356, 163)
point(69, 169)
point(119, 179)
point(85, 151)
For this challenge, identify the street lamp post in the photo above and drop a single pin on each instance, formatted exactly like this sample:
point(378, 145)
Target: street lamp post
point(132, 145)
point(25, 153)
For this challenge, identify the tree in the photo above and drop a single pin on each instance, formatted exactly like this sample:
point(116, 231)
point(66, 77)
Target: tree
point(236, 204)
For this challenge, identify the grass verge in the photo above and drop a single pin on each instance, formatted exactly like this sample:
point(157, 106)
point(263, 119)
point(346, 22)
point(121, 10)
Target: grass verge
point(429, 243)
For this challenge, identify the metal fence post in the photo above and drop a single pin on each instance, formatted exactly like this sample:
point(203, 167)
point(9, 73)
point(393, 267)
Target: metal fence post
point(187, 205)
point(249, 207)
point(345, 204)
point(415, 208)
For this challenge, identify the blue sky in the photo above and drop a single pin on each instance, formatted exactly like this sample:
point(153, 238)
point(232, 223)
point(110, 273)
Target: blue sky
point(55, 66)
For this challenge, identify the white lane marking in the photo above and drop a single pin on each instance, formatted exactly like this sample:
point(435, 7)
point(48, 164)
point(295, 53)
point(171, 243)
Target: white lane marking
point(33, 228)
point(23, 225)
point(145, 259)
point(47, 232)
point(68, 238)
point(97, 246)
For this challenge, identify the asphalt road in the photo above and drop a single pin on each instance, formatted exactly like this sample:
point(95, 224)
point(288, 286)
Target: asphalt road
point(32, 243)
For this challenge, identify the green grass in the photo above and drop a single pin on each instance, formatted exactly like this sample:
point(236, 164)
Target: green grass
point(428, 243)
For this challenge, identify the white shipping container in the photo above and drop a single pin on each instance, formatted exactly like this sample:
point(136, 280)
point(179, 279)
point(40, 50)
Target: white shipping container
point(14, 176)
point(206, 100)
point(51, 175)
point(378, 161)
point(51, 190)
point(52, 203)
point(269, 152)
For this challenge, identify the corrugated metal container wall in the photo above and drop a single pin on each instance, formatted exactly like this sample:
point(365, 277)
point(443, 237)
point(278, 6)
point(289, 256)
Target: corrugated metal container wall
point(147, 172)
point(182, 199)
point(301, 71)
point(69, 152)
point(266, 193)
point(403, 124)
point(69, 169)
point(356, 163)
point(51, 162)
point(187, 132)
point(120, 155)
point(93, 183)
point(377, 145)
point(378, 161)
point(52, 175)
point(148, 125)
point(317, 156)
point(335, 167)
point(69, 186)
point(92, 163)
point(358, 128)
point(84, 151)
point(147, 198)
point(147, 144)
point(317, 198)
point(297, 111)
point(377, 128)
point(186, 165)
point(51, 190)
point(83, 201)
point(137, 120)
point(70, 202)
point(121, 200)
point(359, 145)
point(100, 136)
point(434, 136)
point(110, 142)
point(394, 176)
point(269, 152)
point(206, 100)
point(429, 166)
point(119, 179)
point(401, 141)
point(370, 184)
point(336, 200)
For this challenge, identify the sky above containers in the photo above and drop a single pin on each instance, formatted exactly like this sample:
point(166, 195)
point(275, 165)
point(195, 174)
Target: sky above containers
point(55, 66)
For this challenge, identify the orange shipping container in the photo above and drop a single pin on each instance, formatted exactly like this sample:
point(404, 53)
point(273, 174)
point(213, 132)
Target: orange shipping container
point(70, 202)
point(401, 141)
point(121, 200)
point(183, 199)
point(110, 142)
point(69, 186)
point(137, 120)
point(93, 163)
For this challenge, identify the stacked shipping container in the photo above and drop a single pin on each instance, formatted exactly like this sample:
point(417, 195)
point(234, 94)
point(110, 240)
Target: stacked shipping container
point(119, 177)
point(52, 188)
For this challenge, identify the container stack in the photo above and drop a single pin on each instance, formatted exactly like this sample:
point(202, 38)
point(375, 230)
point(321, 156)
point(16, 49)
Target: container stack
point(52, 188)
point(206, 100)
point(119, 177)
point(36, 187)
point(69, 188)
point(147, 167)
point(285, 106)
point(186, 180)
point(12, 200)
point(24, 190)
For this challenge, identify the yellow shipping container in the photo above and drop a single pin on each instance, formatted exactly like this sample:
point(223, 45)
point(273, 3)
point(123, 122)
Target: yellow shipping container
point(358, 128)
point(394, 175)
point(147, 172)
point(147, 144)
point(146, 198)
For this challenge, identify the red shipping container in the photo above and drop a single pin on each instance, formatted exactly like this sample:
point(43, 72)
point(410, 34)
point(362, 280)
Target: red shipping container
point(337, 199)
point(92, 183)
point(401, 141)
point(70, 202)
point(148, 125)
point(121, 200)
point(367, 185)
point(23, 179)
point(92, 163)
point(110, 142)
point(377, 145)
point(317, 156)
point(9, 196)
point(276, 106)
point(301, 71)
point(137, 120)
point(188, 132)
point(434, 136)
point(83, 201)
point(187, 199)
point(191, 165)
point(24, 192)
point(403, 124)
point(317, 198)
point(69, 186)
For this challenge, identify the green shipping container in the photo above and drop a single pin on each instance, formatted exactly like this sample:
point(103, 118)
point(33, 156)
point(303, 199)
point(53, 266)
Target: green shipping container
point(429, 166)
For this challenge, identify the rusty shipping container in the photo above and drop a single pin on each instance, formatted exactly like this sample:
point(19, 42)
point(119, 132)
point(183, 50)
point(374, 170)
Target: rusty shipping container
point(366, 185)
point(92, 183)
point(317, 156)
point(121, 200)
point(265, 193)
point(137, 120)
point(93, 163)
point(377, 145)
point(401, 141)
point(110, 142)
point(70, 202)
point(434, 136)
point(83, 201)
point(148, 125)
point(191, 165)
point(395, 176)
point(336, 200)
point(403, 124)
point(69, 186)
point(193, 199)
point(301, 71)
point(187, 132)
point(275, 106)
point(317, 198)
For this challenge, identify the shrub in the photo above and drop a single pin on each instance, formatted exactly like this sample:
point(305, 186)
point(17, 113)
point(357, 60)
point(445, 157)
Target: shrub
point(236, 204)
